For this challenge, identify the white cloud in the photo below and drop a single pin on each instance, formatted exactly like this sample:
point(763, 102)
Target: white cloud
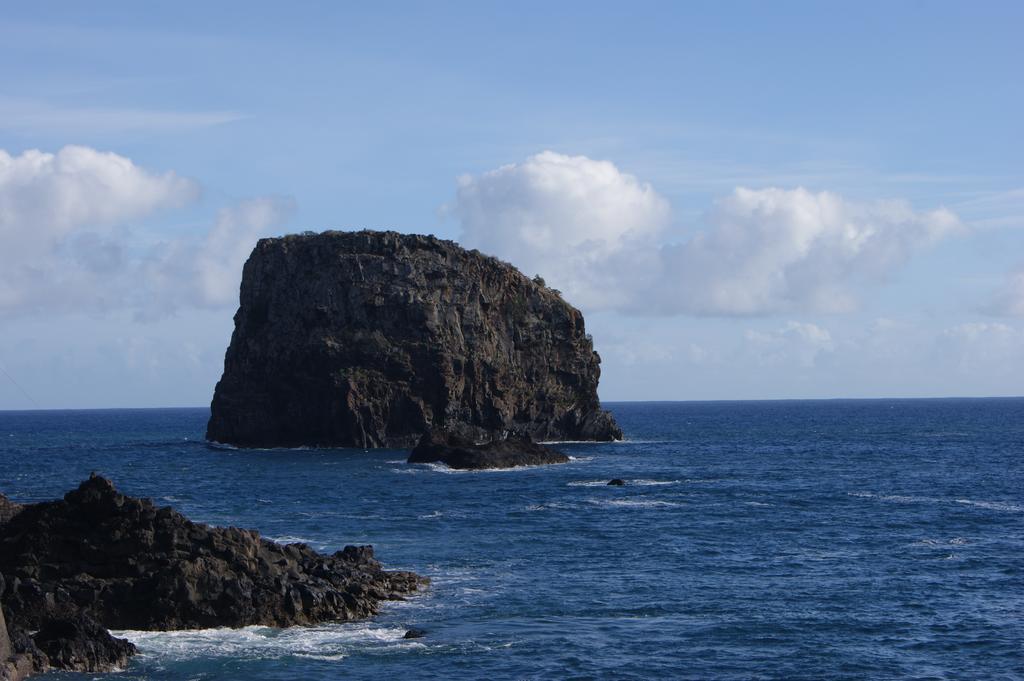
point(218, 264)
point(1009, 300)
point(600, 235)
point(796, 342)
point(568, 218)
point(69, 238)
point(207, 271)
point(773, 250)
point(44, 197)
point(58, 217)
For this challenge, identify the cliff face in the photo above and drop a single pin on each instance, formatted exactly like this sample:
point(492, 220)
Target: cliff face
point(371, 339)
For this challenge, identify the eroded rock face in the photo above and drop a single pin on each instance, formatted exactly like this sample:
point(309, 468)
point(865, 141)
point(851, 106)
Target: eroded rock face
point(371, 339)
point(80, 644)
point(100, 559)
point(456, 452)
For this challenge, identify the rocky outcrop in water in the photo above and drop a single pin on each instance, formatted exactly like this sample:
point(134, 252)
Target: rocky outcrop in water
point(98, 558)
point(456, 452)
point(371, 339)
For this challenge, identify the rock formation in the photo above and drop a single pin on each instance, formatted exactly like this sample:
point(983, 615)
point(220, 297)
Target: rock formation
point(100, 559)
point(456, 452)
point(371, 339)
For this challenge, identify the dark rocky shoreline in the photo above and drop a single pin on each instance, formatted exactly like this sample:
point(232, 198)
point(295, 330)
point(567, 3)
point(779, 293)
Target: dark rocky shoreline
point(98, 559)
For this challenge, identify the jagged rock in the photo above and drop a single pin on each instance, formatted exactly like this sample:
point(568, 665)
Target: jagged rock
point(128, 564)
point(8, 509)
point(617, 482)
point(457, 452)
point(80, 644)
point(16, 660)
point(371, 339)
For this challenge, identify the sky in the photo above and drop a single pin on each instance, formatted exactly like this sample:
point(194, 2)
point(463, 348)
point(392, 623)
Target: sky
point(747, 200)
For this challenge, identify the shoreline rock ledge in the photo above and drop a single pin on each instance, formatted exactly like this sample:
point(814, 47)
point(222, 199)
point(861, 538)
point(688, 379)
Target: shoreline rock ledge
point(373, 339)
point(97, 559)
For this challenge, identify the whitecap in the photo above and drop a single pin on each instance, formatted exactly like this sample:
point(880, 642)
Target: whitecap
point(991, 505)
point(289, 539)
point(442, 468)
point(327, 642)
point(900, 498)
point(634, 483)
point(634, 503)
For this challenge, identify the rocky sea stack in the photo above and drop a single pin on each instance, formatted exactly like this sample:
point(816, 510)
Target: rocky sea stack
point(98, 559)
point(372, 339)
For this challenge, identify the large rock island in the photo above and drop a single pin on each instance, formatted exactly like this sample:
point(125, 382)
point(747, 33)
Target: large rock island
point(95, 559)
point(372, 339)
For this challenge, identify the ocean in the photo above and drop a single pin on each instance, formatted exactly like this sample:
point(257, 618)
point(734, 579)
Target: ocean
point(845, 539)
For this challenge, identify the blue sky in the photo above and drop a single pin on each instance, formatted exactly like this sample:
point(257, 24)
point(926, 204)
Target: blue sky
point(748, 200)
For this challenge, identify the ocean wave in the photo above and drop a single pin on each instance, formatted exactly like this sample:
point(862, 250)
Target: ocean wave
point(992, 505)
point(979, 503)
point(326, 642)
point(289, 539)
point(632, 483)
point(442, 468)
point(634, 503)
point(550, 506)
point(955, 541)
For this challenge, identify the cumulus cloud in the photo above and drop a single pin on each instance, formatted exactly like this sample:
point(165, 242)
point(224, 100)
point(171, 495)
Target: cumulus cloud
point(207, 271)
point(70, 238)
point(58, 214)
point(44, 197)
point(218, 263)
point(771, 250)
point(601, 235)
point(569, 218)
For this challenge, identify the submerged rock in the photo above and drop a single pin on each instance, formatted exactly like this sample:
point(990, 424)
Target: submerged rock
point(98, 558)
point(617, 482)
point(415, 633)
point(371, 339)
point(458, 452)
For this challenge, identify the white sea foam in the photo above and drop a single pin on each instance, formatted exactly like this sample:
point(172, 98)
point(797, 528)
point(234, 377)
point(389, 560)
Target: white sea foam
point(289, 539)
point(633, 483)
point(955, 541)
point(991, 505)
point(442, 468)
point(550, 506)
point(979, 503)
point(634, 503)
point(326, 642)
point(435, 514)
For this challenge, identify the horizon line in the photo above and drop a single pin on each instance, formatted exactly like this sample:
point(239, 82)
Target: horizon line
point(603, 402)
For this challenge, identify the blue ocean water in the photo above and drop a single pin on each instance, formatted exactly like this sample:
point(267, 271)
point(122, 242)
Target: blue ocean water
point(754, 540)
